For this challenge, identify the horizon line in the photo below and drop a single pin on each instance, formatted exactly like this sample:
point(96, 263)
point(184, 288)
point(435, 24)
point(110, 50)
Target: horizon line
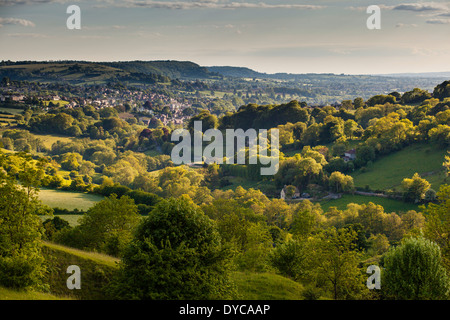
point(230, 66)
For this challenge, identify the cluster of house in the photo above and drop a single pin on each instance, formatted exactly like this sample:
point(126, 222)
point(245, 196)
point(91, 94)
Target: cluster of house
point(21, 97)
point(16, 98)
point(110, 97)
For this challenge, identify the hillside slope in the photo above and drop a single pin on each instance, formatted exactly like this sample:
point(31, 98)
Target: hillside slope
point(98, 269)
point(389, 171)
point(84, 72)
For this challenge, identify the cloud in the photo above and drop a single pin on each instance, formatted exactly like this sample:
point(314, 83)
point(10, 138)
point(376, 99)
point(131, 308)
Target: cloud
point(94, 37)
point(26, 35)
point(405, 25)
point(16, 21)
point(341, 51)
point(27, 2)
point(210, 4)
point(438, 21)
point(421, 7)
point(98, 28)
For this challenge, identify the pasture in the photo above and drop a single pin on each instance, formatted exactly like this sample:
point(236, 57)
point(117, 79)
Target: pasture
point(389, 205)
point(68, 200)
point(49, 139)
point(389, 171)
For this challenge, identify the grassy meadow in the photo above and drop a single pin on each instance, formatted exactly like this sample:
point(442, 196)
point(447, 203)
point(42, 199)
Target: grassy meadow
point(68, 200)
point(389, 205)
point(389, 171)
point(7, 119)
point(49, 139)
point(72, 219)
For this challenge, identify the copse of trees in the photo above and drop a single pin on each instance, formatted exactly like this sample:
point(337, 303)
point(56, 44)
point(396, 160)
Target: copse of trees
point(442, 90)
point(268, 116)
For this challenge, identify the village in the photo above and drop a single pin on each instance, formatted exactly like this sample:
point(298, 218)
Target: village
point(145, 104)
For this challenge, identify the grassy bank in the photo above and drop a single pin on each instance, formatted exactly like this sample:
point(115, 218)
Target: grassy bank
point(266, 286)
point(10, 294)
point(96, 271)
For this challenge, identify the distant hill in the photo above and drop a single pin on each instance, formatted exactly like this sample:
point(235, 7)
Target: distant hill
point(84, 72)
point(420, 75)
point(237, 72)
point(242, 72)
point(169, 68)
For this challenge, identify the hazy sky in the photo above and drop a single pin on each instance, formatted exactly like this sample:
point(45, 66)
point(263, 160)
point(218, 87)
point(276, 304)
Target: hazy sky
point(322, 36)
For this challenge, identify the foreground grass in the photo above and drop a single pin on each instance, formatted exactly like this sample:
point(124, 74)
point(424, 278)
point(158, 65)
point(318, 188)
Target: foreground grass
point(96, 257)
point(266, 286)
point(389, 205)
point(97, 270)
point(389, 171)
point(10, 294)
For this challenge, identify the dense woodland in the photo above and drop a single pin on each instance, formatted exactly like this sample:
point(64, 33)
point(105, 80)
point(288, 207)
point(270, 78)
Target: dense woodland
point(181, 231)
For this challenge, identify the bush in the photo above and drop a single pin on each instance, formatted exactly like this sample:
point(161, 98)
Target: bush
point(289, 258)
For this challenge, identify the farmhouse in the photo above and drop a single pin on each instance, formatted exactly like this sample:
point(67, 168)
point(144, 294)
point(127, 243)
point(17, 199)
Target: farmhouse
point(349, 155)
point(294, 196)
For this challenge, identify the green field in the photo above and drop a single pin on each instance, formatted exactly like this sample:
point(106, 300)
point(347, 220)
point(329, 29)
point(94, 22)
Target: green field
point(389, 171)
point(49, 139)
point(13, 111)
point(72, 219)
point(68, 200)
point(389, 205)
point(60, 102)
point(7, 119)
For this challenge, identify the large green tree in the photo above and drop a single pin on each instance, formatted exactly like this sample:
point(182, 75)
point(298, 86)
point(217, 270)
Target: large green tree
point(437, 226)
point(334, 263)
point(414, 271)
point(176, 254)
point(21, 260)
point(415, 188)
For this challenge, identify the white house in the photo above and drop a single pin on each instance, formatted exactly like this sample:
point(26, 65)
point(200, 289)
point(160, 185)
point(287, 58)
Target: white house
point(294, 196)
point(349, 155)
